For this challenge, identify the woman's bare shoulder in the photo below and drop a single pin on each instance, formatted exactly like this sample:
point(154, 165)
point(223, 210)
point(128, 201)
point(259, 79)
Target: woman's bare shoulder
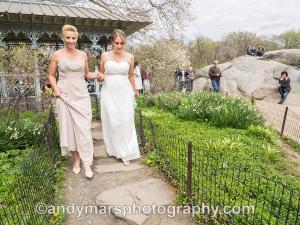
point(56, 55)
point(105, 55)
point(129, 57)
point(82, 53)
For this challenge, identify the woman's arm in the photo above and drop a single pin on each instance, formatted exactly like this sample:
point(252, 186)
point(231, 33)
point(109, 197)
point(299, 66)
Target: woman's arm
point(131, 76)
point(101, 66)
point(52, 74)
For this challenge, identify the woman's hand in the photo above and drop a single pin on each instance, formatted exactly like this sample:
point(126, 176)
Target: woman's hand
point(56, 93)
point(136, 93)
point(93, 76)
point(101, 77)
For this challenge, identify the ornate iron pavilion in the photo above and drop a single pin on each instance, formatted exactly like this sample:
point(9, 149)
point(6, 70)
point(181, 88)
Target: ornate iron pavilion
point(41, 22)
point(38, 24)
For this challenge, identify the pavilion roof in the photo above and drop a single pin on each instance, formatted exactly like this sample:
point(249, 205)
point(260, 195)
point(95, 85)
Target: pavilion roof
point(57, 14)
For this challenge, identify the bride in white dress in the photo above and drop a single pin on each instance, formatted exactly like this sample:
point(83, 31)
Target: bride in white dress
point(117, 100)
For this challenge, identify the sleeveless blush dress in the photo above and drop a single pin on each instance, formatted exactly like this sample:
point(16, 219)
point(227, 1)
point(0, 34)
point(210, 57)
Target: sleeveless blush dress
point(74, 110)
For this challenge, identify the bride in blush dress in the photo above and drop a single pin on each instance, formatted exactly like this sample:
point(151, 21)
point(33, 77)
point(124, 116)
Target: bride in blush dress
point(117, 100)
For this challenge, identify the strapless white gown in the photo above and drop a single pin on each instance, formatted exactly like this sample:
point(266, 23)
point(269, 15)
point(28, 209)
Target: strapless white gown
point(117, 112)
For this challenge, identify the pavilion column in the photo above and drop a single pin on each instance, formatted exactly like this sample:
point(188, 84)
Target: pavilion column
point(2, 36)
point(4, 94)
point(37, 85)
point(94, 39)
point(33, 36)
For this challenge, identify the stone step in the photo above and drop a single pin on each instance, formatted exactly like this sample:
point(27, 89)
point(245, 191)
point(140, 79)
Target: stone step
point(97, 135)
point(142, 194)
point(118, 167)
point(100, 151)
point(96, 124)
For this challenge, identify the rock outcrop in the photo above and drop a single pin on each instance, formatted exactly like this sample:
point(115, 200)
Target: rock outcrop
point(290, 57)
point(256, 76)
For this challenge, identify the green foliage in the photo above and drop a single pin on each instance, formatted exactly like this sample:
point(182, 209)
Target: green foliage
point(231, 167)
point(163, 58)
point(223, 142)
point(202, 52)
point(95, 112)
point(152, 158)
point(209, 107)
point(18, 60)
point(260, 132)
point(290, 39)
point(295, 145)
point(27, 174)
point(22, 132)
point(9, 170)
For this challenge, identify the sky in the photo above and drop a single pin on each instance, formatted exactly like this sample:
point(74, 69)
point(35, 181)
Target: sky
point(216, 18)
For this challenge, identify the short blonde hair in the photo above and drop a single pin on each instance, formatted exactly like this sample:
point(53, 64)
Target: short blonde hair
point(118, 33)
point(67, 28)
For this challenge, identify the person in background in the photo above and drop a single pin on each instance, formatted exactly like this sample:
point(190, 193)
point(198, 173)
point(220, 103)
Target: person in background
point(284, 86)
point(138, 77)
point(249, 50)
point(147, 80)
point(176, 78)
point(143, 77)
point(190, 78)
point(215, 76)
point(261, 51)
point(182, 78)
point(254, 51)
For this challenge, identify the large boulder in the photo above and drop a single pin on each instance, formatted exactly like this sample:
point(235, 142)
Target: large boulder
point(252, 76)
point(290, 57)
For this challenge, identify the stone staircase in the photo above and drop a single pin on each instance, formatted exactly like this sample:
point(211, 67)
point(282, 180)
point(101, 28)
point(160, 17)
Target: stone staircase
point(122, 194)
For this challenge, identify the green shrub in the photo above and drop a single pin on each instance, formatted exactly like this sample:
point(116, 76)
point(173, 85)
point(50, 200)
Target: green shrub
point(21, 132)
point(95, 112)
point(232, 167)
point(210, 107)
point(261, 132)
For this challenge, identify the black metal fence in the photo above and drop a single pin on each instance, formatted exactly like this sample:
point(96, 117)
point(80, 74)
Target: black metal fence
point(208, 182)
point(282, 118)
point(35, 185)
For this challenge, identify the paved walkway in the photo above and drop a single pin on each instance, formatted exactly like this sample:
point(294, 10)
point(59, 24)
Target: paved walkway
point(115, 184)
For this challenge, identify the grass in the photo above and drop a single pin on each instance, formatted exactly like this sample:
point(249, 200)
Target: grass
point(25, 164)
point(255, 146)
point(293, 144)
point(231, 167)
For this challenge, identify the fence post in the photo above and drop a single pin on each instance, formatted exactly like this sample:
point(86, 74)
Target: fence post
point(284, 120)
point(152, 127)
point(189, 170)
point(142, 133)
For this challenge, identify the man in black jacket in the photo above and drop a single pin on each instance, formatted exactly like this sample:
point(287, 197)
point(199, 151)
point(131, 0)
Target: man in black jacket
point(215, 75)
point(284, 86)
